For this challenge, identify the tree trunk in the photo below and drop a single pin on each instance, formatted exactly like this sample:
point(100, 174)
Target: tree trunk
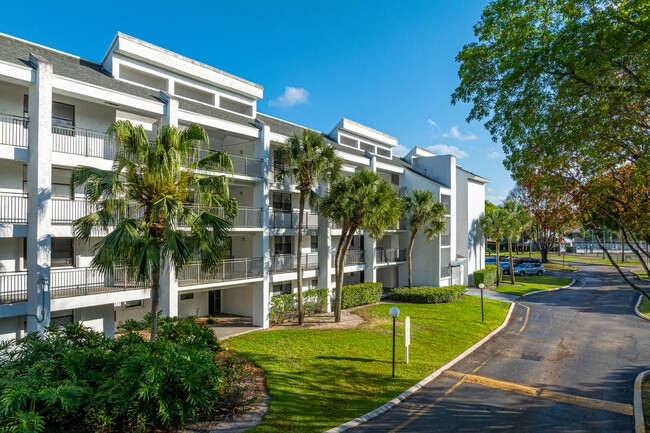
point(512, 268)
point(622, 248)
point(339, 279)
point(301, 312)
point(338, 270)
point(625, 240)
point(544, 254)
point(498, 264)
point(411, 243)
point(155, 297)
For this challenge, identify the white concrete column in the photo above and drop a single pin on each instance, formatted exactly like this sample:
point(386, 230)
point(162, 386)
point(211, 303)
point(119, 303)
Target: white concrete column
point(168, 282)
point(370, 248)
point(262, 292)
point(325, 252)
point(39, 211)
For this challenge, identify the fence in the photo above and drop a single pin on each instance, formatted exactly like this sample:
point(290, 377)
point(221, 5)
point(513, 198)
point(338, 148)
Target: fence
point(231, 269)
point(391, 255)
point(289, 220)
point(289, 262)
point(13, 130)
point(13, 208)
point(83, 142)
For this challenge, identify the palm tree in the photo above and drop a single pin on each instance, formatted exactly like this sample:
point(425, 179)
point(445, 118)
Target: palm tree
point(363, 201)
point(492, 224)
point(423, 211)
point(306, 160)
point(517, 218)
point(156, 206)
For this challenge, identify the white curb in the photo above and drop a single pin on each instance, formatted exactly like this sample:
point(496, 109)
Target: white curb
point(636, 309)
point(639, 422)
point(406, 394)
point(551, 290)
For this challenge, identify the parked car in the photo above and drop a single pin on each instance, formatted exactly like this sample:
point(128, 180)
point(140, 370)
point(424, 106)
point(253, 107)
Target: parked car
point(529, 260)
point(505, 267)
point(529, 269)
point(490, 260)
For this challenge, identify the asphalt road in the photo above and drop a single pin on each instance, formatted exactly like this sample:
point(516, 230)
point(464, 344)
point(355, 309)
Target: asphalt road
point(566, 362)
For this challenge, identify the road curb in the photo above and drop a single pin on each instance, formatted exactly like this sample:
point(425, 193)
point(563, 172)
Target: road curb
point(636, 309)
point(639, 422)
point(550, 290)
point(406, 394)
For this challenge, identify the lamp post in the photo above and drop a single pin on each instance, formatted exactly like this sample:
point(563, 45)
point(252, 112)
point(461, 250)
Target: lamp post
point(394, 312)
point(482, 286)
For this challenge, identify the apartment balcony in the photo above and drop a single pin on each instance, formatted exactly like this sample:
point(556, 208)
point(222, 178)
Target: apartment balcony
point(229, 270)
point(85, 142)
point(289, 220)
point(242, 165)
point(67, 283)
point(391, 255)
point(352, 258)
point(289, 262)
point(13, 208)
point(13, 130)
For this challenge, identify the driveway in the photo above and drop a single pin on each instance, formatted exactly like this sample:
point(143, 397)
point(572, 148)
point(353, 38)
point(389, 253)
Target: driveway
point(566, 362)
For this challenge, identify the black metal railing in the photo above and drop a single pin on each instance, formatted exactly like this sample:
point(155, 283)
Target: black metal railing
point(229, 270)
point(289, 262)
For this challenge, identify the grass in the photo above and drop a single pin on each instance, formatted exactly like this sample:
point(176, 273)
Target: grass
point(319, 379)
point(552, 266)
point(532, 284)
point(581, 259)
point(640, 273)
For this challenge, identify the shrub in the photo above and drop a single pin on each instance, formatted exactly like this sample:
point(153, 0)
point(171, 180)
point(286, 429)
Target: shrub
point(427, 295)
point(361, 294)
point(285, 307)
point(69, 378)
point(487, 276)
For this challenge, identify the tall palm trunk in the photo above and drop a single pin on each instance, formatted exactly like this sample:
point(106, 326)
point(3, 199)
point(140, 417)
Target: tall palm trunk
point(512, 269)
point(411, 243)
point(155, 297)
point(301, 313)
point(339, 278)
point(338, 269)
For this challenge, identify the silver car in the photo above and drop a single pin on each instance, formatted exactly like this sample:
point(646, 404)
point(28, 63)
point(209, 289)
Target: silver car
point(529, 269)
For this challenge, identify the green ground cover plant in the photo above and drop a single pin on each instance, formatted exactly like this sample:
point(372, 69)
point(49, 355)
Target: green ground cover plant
point(285, 307)
point(427, 295)
point(532, 284)
point(320, 378)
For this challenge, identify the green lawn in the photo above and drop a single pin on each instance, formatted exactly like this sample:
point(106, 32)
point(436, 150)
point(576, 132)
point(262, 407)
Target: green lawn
point(581, 259)
point(319, 379)
point(552, 266)
point(640, 273)
point(645, 399)
point(532, 284)
point(644, 307)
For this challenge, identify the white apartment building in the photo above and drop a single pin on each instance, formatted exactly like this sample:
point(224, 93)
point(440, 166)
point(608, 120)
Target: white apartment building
point(54, 111)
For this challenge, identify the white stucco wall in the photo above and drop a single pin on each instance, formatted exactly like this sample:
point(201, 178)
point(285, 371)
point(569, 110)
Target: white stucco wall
point(12, 328)
point(238, 300)
point(196, 307)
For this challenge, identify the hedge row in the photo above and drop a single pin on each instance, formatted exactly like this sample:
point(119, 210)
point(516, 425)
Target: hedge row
point(487, 276)
point(361, 294)
point(427, 295)
point(285, 307)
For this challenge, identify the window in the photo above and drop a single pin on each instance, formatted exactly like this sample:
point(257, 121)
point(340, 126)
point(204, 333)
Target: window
point(62, 252)
point(131, 304)
point(314, 283)
point(187, 296)
point(25, 176)
point(61, 179)
point(314, 244)
point(445, 261)
point(446, 201)
point(282, 245)
point(62, 114)
point(281, 288)
point(394, 178)
point(281, 202)
point(277, 166)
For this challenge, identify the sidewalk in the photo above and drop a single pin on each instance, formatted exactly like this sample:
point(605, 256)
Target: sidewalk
point(489, 294)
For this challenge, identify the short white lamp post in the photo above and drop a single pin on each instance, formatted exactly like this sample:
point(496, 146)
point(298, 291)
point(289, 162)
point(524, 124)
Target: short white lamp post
point(482, 286)
point(394, 312)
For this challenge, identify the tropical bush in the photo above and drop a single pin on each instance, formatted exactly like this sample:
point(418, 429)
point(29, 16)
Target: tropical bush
point(427, 295)
point(285, 307)
point(69, 378)
point(361, 294)
point(487, 276)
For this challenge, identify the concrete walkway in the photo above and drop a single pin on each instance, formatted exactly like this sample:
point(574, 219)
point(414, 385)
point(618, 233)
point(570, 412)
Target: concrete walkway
point(489, 294)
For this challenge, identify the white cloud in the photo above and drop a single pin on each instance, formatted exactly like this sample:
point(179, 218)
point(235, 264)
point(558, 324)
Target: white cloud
point(455, 133)
point(445, 149)
point(495, 199)
point(432, 123)
point(494, 155)
point(291, 96)
point(400, 150)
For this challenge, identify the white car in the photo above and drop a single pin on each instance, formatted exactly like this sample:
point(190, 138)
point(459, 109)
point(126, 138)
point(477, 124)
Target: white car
point(529, 269)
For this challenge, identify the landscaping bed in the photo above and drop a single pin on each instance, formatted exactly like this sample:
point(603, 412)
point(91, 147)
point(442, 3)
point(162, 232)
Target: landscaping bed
point(645, 398)
point(531, 284)
point(427, 295)
point(320, 378)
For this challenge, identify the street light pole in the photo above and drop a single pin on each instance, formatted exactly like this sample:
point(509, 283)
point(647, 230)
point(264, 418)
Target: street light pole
point(394, 312)
point(482, 286)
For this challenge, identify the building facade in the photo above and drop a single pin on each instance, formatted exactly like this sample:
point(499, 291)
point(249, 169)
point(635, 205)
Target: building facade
point(54, 111)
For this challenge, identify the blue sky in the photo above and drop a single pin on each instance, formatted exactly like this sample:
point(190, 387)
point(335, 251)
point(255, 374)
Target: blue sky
point(388, 65)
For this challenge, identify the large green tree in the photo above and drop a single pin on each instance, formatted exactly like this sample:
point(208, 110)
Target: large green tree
point(423, 210)
point(157, 205)
point(362, 201)
point(307, 161)
point(565, 86)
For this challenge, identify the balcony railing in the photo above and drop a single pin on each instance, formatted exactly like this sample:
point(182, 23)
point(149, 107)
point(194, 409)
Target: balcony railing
point(13, 130)
point(68, 282)
point(65, 210)
point(289, 262)
point(13, 209)
point(84, 142)
point(242, 165)
point(391, 255)
point(352, 258)
point(229, 270)
point(289, 220)
point(249, 217)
